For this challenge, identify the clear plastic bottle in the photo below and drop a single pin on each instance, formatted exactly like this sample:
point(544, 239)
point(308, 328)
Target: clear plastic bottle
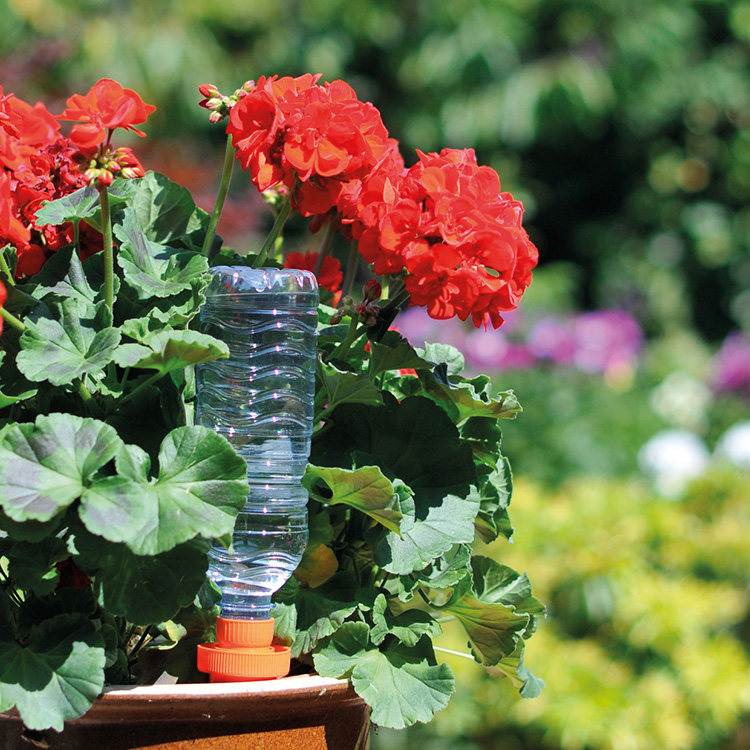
point(261, 400)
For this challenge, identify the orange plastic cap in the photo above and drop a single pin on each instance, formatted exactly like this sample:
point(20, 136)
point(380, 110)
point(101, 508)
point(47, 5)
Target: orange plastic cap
point(244, 652)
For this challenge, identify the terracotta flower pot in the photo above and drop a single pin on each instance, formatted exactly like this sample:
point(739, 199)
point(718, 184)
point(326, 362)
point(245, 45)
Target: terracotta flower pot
point(294, 713)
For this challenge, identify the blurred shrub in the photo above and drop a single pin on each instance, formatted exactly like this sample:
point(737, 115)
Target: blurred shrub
point(646, 645)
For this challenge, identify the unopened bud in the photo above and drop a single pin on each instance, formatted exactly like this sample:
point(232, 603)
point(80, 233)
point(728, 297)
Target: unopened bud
point(371, 291)
point(208, 90)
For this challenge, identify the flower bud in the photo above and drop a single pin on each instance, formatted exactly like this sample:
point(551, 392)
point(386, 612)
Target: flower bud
point(371, 291)
point(208, 90)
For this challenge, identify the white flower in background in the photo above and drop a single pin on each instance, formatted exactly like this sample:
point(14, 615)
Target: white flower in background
point(672, 458)
point(682, 400)
point(734, 445)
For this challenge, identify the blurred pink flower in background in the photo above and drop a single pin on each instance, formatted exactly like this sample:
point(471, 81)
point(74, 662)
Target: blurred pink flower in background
point(602, 341)
point(731, 364)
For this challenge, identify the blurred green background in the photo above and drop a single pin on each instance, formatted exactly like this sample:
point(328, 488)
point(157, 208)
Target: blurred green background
point(624, 127)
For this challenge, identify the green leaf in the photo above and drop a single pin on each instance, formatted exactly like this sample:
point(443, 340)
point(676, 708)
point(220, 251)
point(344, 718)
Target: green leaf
point(428, 458)
point(528, 684)
point(166, 211)
point(365, 489)
point(498, 584)
point(444, 354)
point(304, 616)
point(75, 206)
point(428, 455)
point(57, 676)
point(30, 531)
point(464, 398)
point(44, 466)
point(443, 573)
point(66, 340)
point(202, 483)
point(176, 656)
point(318, 561)
point(393, 352)
point(485, 438)
point(496, 610)
point(495, 495)
point(63, 275)
point(82, 204)
point(408, 627)
point(342, 387)
point(115, 508)
point(12, 381)
point(425, 538)
point(143, 589)
point(167, 351)
point(32, 565)
point(403, 685)
point(152, 269)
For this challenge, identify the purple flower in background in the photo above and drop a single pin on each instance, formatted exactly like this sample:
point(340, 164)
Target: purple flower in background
point(606, 339)
point(418, 328)
point(490, 349)
point(731, 365)
point(554, 338)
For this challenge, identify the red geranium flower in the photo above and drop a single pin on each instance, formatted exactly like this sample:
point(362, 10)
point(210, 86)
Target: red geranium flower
point(106, 106)
point(312, 138)
point(37, 164)
point(5, 114)
point(330, 275)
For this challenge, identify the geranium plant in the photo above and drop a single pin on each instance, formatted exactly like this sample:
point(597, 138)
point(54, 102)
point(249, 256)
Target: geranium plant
point(110, 495)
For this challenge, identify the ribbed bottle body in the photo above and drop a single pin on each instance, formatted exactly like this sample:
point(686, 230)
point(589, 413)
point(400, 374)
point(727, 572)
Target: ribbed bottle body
point(261, 400)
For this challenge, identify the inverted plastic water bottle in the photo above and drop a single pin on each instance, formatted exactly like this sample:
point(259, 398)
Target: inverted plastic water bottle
point(261, 400)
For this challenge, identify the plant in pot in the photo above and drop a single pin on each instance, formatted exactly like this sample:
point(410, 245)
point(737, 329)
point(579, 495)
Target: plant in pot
point(111, 495)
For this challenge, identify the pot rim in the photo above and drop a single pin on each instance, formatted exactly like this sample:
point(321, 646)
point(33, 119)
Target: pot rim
point(293, 683)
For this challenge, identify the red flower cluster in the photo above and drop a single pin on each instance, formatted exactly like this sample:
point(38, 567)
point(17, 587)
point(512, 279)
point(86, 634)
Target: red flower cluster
point(443, 223)
point(311, 138)
point(330, 274)
point(38, 164)
point(447, 224)
point(105, 107)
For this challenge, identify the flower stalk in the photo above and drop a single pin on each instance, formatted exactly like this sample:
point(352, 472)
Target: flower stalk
point(221, 195)
point(109, 263)
point(325, 247)
point(12, 320)
point(278, 225)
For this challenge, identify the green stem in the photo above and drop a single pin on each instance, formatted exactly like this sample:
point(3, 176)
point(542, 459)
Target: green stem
point(109, 263)
point(6, 269)
point(341, 351)
point(278, 225)
point(226, 178)
point(325, 247)
point(351, 270)
point(83, 392)
point(455, 653)
point(396, 301)
point(385, 286)
point(13, 595)
point(144, 638)
point(145, 384)
point(12, 320)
